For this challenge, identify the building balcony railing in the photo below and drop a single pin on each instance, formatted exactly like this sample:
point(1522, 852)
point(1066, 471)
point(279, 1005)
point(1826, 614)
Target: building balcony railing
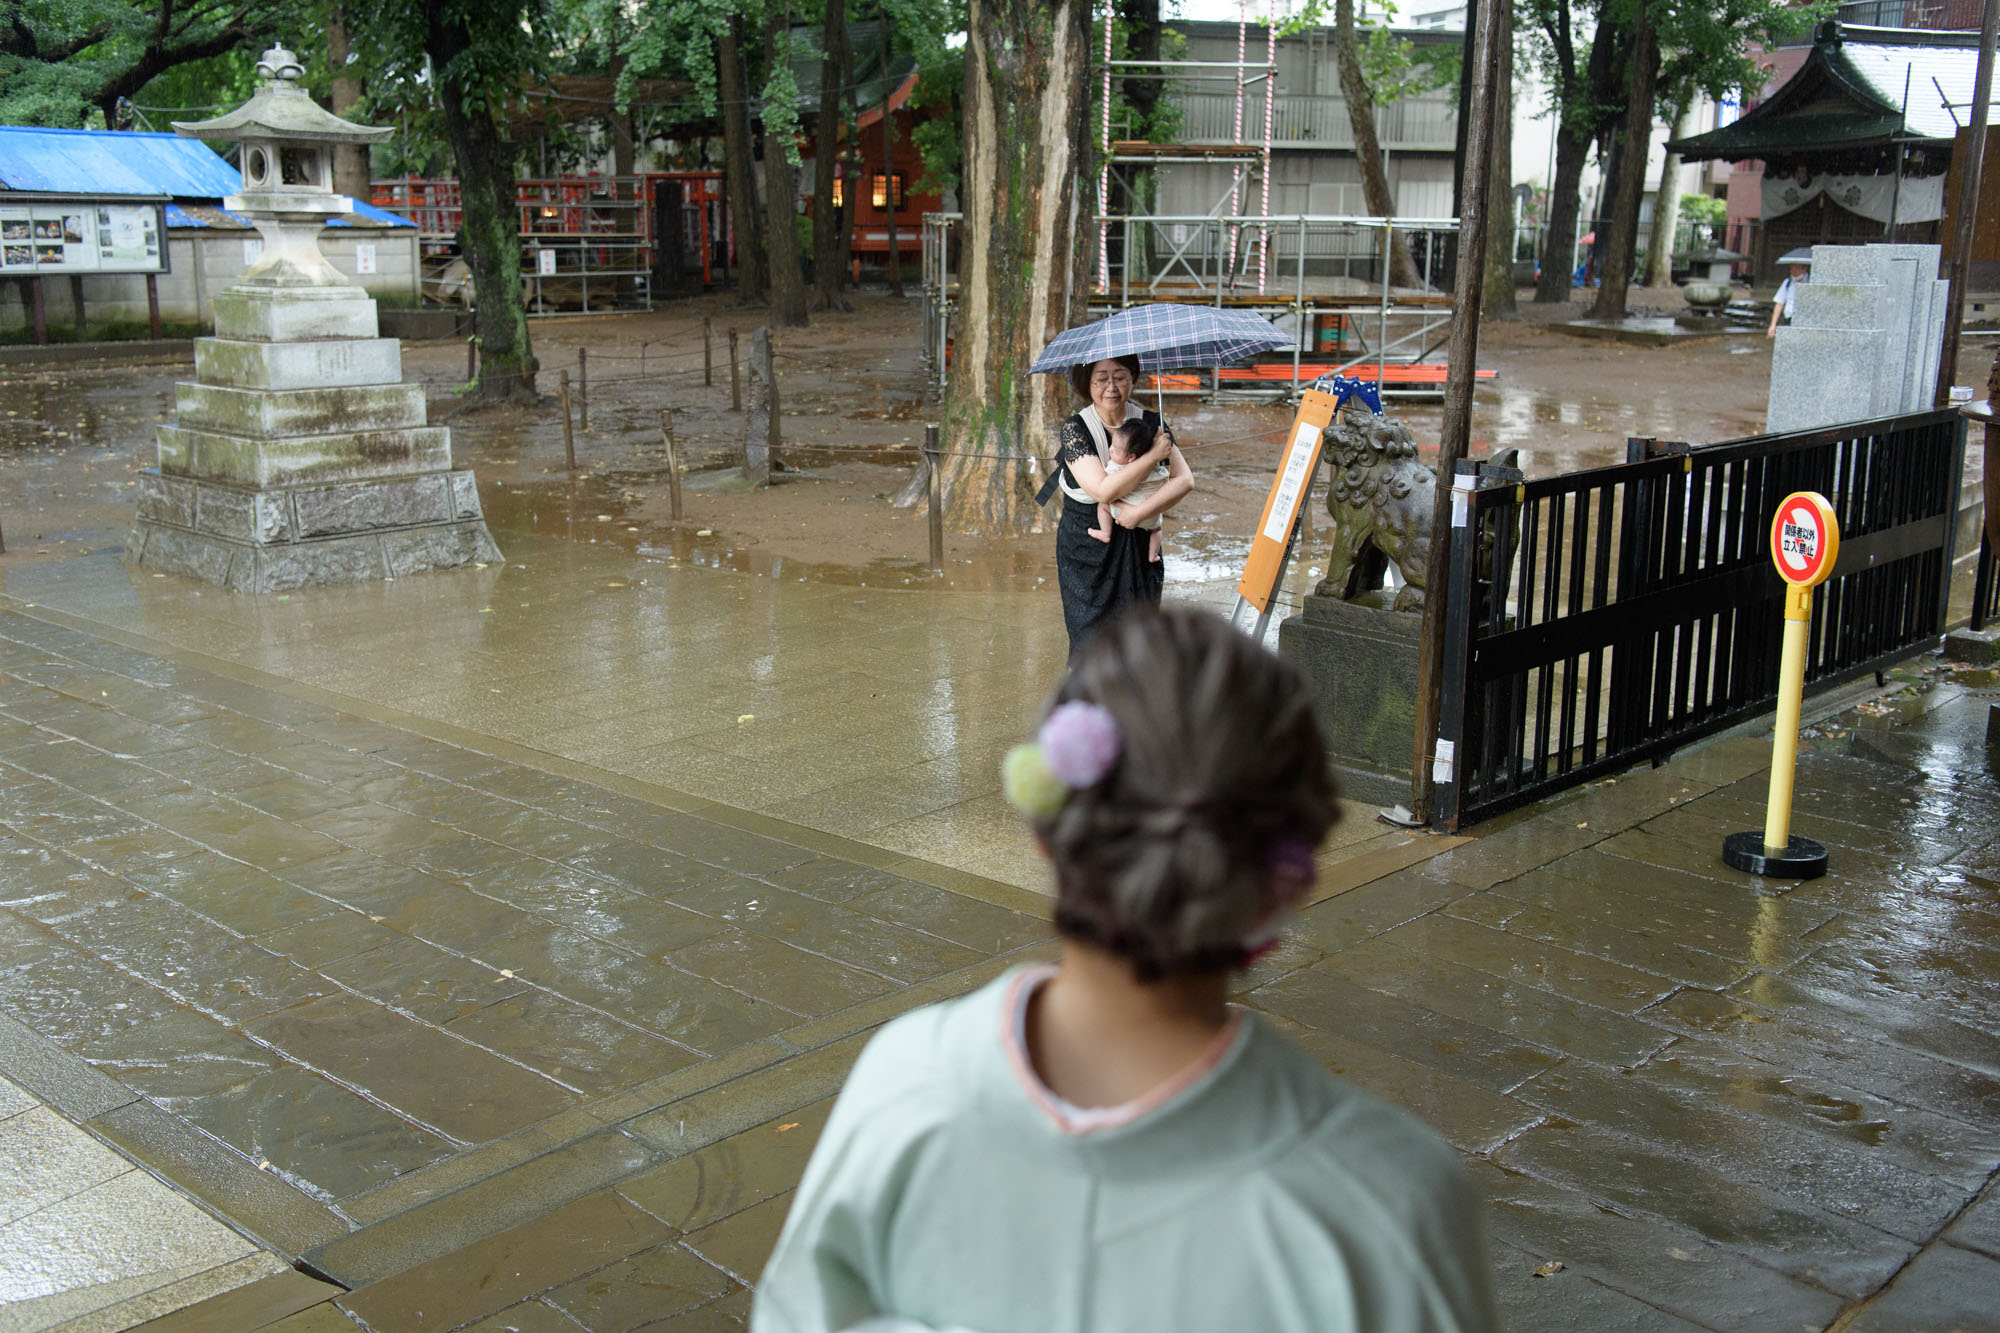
point(1415, 124)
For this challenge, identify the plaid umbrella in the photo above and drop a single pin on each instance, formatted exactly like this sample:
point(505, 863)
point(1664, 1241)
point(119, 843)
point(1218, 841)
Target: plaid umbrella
point(1164, 337)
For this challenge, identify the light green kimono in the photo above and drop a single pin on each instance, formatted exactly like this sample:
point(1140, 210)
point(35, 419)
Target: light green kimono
point(1267, 1196)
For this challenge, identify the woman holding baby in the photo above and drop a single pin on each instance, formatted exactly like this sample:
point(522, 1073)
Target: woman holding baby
point(1119, 469)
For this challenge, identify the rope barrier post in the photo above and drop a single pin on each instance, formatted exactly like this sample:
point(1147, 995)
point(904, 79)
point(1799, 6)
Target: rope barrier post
point(471, 358)
point(583, 389)
point(673, 463)
point(735, 379)
point(933, 465)
point(707, 350)
point(569, 435)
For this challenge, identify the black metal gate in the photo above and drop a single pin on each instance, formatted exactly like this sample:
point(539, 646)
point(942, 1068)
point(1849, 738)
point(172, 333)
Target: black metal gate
point(1610, 616)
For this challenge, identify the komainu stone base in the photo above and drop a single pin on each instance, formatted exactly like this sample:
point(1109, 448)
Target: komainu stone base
point(1362, 661)
point(273, 539)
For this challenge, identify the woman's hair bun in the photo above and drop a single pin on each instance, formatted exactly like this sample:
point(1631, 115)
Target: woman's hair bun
point(1166, 861)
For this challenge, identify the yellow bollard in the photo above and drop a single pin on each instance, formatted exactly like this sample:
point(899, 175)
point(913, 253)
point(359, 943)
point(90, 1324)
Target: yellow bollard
point(1805, 543)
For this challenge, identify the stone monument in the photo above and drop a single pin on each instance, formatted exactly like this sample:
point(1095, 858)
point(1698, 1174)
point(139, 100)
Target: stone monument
point(1355, 640)
point(1864, 340)
point(298, 455)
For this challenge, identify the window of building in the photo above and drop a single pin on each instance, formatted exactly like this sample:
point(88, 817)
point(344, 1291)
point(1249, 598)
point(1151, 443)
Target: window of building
point(888, 190)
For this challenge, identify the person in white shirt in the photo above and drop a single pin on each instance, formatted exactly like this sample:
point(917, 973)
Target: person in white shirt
point(1782, 303)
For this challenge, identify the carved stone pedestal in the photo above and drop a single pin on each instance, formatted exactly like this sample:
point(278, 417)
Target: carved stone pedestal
point(1362, 661)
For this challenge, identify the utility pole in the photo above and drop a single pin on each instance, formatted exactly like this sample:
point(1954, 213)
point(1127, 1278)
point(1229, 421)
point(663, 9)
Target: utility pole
point(1455, 435)
point(1968, 202)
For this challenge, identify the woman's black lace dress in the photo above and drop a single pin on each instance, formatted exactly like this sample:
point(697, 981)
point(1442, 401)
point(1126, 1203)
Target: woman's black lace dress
point(1098, 579)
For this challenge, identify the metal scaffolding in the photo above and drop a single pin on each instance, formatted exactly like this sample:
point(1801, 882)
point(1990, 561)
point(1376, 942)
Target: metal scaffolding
point(1246, 157)
point(1359, 326)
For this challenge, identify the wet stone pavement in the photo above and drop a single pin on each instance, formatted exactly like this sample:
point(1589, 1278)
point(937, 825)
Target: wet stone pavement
point(478, 1044)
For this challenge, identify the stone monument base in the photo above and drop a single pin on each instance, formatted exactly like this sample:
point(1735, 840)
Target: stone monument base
point(275, 538)
point(1362, 661)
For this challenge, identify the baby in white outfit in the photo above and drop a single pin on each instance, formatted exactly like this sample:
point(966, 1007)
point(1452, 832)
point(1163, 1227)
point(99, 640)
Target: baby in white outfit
point(1128, 442)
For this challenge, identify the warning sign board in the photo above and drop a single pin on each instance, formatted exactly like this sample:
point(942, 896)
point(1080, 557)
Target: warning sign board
point(1805, 538)
point(1265, 565)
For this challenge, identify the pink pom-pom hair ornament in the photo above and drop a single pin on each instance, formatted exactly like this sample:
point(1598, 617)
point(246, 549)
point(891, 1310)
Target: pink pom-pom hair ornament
point(1077, 746)
point(1080, 743)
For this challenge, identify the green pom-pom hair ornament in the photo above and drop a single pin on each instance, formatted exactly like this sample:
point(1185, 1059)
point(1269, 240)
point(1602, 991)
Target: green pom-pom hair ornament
point(1077, 746)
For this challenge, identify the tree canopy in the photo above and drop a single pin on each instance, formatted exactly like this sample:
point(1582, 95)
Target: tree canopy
point(65, 63)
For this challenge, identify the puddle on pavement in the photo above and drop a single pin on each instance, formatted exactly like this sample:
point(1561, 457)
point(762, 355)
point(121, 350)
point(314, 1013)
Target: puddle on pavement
point(599, 509)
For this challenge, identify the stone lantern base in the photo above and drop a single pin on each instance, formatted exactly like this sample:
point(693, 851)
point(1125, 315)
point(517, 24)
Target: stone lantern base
point(300, 457)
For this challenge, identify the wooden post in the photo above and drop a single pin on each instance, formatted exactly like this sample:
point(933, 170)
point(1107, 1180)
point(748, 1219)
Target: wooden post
point(1966, 209)
point(707, 350)
point(153, 304)
point(673, 463)
point(735, 380)
point(934, 464)
point(583, 389)
point(472, 358)
point(76, 302)
point(1455, 434)
point(36, 299)
point(569, 436)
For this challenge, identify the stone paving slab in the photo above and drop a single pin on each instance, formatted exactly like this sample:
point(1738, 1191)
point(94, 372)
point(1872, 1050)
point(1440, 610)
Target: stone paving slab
point(1697, 1099)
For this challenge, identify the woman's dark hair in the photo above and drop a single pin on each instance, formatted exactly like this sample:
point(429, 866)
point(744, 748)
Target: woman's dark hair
point(1079, 376)
point(1138, 433)
point(1167, 861)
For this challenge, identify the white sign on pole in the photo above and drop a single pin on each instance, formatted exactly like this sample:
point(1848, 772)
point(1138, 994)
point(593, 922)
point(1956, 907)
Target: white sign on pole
point(364, 257)
point(1305, 445)
point(545, 262)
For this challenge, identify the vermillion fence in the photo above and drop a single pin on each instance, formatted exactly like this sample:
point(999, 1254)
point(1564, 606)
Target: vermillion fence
point(1610, 616)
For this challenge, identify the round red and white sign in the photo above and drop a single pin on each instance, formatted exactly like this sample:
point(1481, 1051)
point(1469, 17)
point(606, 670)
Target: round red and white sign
point(1805, 538)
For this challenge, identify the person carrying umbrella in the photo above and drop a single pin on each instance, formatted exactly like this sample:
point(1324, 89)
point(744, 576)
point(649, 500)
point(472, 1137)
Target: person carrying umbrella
point(1103, 360)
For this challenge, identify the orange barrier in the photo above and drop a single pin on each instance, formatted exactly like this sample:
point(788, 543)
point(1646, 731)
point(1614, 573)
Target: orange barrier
point(1281, 373)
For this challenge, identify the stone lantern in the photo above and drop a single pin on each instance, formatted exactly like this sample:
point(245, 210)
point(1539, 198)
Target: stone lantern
point(298, 455)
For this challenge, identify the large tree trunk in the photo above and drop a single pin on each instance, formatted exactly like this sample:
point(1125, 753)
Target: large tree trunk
point(1666, 211)
point(1618, 251)
point(1367, 148)
point(350, 160)
point(1023, 273)
point(888, 165)
point(829, 260)
point(781, 200)
point(1497, 301)
point(491, 225)
point(1577, 122)
point(738, 168)
point(1559, 243)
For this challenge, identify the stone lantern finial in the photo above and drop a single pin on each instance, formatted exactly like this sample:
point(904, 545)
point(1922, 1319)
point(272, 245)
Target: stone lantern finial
point(278, 63)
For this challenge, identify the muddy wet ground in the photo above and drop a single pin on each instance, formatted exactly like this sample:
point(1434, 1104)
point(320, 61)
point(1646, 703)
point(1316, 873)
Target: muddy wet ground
point(493, 942)
point(855, 402)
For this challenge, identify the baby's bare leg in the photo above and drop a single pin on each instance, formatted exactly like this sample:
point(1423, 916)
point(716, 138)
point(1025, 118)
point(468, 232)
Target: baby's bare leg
point(1153, 548)
point(1103, 529)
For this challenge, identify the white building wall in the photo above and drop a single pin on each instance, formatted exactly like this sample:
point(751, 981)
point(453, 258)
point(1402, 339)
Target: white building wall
point(202, 261)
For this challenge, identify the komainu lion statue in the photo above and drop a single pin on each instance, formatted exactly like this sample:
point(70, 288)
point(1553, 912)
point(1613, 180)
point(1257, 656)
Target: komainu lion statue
point(1380, 500)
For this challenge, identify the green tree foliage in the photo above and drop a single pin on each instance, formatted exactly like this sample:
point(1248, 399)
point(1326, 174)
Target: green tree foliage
point(1705, 209)
point(65, 63)
point(467, 62)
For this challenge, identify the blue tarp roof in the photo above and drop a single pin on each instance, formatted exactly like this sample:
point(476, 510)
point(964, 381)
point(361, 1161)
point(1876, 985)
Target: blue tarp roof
point(101, 162)
point(178, 216)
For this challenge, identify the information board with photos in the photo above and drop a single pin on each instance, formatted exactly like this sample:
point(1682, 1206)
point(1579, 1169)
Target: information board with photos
point(82, 237)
